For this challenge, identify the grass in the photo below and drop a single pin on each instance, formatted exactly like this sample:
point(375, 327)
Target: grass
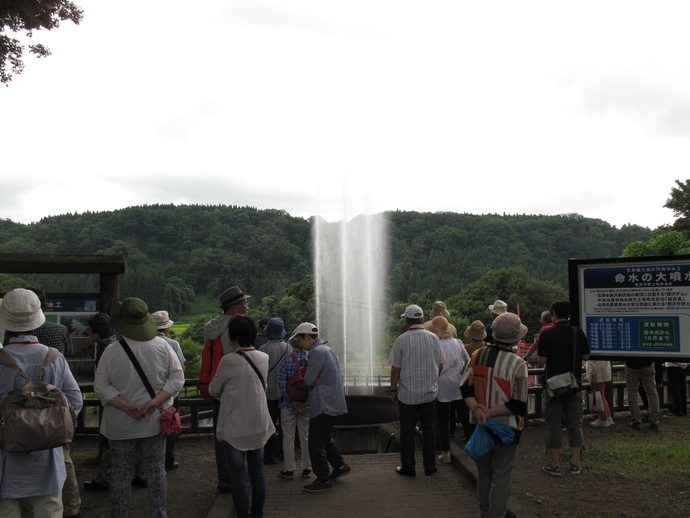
point(643, 455)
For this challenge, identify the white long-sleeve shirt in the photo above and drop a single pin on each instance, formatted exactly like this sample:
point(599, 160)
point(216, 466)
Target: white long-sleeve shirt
point(116, 376)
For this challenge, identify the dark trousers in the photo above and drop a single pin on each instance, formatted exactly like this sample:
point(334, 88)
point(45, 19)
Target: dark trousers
point(170, 441)
point(446, 413)
point(425, 413)
point(273, 447)
point(677, 390)
point(322, 448)
point(221, 466)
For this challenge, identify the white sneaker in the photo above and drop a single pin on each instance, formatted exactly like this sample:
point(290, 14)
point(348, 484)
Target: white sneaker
point(600, 423)
point(610, 421)
point(445, 457)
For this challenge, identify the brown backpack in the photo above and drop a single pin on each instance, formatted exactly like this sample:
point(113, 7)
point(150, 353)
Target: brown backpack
point(37, 415)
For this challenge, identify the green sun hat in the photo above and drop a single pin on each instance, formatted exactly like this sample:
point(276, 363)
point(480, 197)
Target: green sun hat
point(131, 318)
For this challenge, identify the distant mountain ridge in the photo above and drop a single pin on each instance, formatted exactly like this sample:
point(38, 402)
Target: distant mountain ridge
point(176, 252)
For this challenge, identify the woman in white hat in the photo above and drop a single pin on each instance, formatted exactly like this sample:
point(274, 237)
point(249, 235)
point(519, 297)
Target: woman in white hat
point(38, 475)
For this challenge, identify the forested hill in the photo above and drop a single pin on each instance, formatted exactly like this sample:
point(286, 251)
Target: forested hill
point(175, 253)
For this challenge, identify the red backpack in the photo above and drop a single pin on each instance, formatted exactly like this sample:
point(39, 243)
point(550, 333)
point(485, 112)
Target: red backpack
point(210, 358)
point(297, 389)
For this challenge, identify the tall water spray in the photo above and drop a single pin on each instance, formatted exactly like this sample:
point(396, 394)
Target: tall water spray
point(351, 265)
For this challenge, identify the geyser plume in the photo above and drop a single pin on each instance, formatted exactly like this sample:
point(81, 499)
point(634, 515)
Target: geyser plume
point(350, 269)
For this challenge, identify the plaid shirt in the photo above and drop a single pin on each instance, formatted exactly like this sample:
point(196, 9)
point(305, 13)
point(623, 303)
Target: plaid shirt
point(55, 335)
point(286, 369)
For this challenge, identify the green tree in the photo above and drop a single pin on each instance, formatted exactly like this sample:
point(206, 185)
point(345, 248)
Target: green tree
point(25, 17)
point(514, 286)
point(671, 242)
point(8, 283)
point(679, 203)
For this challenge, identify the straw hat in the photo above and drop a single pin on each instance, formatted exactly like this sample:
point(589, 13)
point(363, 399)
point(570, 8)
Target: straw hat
point(439, 310)
point(476, 330)
point(440, 327)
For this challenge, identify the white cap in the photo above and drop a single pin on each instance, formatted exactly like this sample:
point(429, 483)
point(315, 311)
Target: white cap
point(305, 328)
point(413, 312)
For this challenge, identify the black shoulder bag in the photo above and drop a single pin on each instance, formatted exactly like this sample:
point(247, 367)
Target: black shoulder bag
point(251, 364)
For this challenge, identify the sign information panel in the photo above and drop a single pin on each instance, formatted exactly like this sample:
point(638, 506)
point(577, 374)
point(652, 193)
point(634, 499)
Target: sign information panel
point(633, 307)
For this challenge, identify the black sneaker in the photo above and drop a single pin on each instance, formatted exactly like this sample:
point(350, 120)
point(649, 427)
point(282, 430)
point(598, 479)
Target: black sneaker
point(140, 483)
point(95, 486)
point(339, 472)
point(306, 473)
point(287, 475)
point(554, 472)
point(635, 425)
point(575, 470)
point(654, 427)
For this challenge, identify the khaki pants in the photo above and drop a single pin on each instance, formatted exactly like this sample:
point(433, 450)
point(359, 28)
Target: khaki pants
point(48, 506)
point(632, 380)
point(71, 500)
point(291, 423)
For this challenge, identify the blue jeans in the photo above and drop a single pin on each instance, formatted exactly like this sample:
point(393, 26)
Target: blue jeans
point(425, 413)
point(235, 463)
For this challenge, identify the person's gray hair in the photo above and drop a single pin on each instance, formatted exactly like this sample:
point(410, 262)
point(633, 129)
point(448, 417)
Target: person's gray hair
point(546, 317)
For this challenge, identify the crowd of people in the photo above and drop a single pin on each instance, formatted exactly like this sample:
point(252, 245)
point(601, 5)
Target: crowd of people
point(273, 398)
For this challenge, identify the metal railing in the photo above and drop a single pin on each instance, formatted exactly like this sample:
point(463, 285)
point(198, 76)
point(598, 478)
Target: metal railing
point(196, 412)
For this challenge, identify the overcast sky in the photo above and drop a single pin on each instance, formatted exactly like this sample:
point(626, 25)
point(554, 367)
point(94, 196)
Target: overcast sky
point(338, 108)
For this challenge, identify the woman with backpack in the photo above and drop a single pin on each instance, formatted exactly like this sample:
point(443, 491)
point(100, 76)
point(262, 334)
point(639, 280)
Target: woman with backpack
point(37, 476)
point(293, 414)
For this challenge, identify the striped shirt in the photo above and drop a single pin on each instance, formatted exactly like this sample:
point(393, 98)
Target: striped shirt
point(417, 353)
point(496, 376)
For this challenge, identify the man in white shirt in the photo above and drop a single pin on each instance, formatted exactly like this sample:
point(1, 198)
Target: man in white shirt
point(416, 361)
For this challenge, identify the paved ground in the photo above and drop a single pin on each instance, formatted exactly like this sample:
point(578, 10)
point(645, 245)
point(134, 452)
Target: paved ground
point(372, 489)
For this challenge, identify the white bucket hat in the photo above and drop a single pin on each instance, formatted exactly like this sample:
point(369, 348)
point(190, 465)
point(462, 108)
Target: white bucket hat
point(498, 308)
point(162, 319)
point(21, 311)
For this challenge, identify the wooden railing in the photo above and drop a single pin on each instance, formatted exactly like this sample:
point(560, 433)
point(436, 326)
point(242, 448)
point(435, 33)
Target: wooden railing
point(196, 412)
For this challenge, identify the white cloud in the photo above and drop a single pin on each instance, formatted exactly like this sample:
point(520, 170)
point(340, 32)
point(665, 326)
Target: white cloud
point(345, 107)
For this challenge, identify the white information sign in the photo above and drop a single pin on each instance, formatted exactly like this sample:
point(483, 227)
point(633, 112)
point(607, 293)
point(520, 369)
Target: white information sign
point(633, 307)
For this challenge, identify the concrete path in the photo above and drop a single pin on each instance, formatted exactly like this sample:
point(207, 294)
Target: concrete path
point(373, 489)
